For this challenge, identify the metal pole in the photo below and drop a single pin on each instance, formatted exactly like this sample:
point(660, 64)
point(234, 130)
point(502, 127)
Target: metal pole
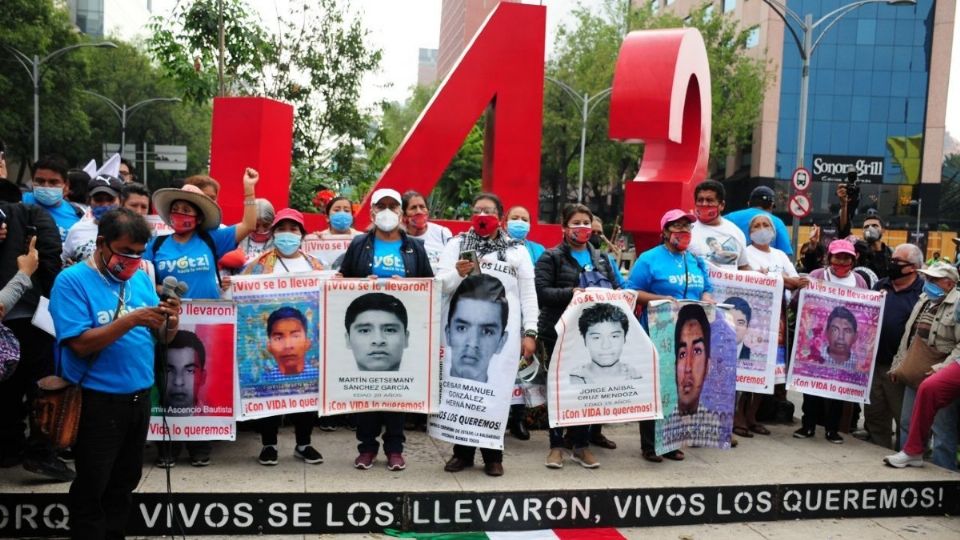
point(583, 143)
point(802, 115)
point(123, 131)
point(36, 108)
point(919, 208)
point(145, 184)
point(222, 43)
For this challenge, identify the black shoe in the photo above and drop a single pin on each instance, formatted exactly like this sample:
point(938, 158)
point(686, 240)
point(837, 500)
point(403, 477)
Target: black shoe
point(519, 430)
point(51, 468)
point(308, 455)
point(200, 460)
point(804, 433)
point(10, 457)
point(834, 437)
point(66, 456)
point(268, 456)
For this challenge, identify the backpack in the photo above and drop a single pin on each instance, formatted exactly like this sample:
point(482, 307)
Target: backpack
point(599, 276)
point(207, 239)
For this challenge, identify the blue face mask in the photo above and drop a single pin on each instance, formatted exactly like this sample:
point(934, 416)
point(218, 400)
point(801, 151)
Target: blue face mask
point(341, 221)
point(99, 211)
point(518, 229)
point(48, 196)
point(933, 291)
point(286, 242)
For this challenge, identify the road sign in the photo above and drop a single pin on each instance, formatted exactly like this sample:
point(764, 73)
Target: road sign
point(129, 151)
point(801, 179)
point(170, 158)
point(800, 205)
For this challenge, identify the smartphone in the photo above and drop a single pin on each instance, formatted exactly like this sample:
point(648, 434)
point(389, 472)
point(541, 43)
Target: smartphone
point(471, 256)
point(29, 232)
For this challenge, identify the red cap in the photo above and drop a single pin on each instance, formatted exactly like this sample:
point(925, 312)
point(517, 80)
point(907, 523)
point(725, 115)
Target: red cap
point(674, 215)
point(292, 215)
point(841, 246)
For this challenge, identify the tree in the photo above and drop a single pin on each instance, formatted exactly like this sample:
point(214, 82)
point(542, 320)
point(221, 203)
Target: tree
point(584, 57)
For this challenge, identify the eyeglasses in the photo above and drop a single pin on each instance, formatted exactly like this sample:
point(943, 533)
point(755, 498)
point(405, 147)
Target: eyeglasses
point(489, 211)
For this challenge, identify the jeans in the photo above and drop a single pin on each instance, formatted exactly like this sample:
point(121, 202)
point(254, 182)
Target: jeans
point(467, 453)
point(886, 402)
point(821, 410)
point(369, 427)
point(579, 436)
point(944, 423)
point(302, 425)
point(109, 461)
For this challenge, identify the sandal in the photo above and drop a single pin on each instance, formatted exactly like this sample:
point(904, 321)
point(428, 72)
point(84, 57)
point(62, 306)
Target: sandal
point(743, 432)
point(760, 429)
point(652, 456)
point(676, 455)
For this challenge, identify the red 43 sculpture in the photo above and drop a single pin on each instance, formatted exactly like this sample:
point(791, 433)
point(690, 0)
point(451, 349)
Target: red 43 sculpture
point(661, 96)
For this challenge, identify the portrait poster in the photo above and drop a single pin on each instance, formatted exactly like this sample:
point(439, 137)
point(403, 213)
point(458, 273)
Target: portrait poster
point(481, 351)
point(381, 345)
point(838, 331)
point(752, 303)
point(604, 367)
point(328, 250)
point(194, 386)
point(277, 343)
point(698, 371)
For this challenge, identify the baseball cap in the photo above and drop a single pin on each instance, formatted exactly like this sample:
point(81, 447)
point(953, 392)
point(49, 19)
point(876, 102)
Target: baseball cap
point(762, 194)
point(841, 246)
point(674, 215)
point(292, 215)
point(380, 194)
point(104, 183)
point(941, 269)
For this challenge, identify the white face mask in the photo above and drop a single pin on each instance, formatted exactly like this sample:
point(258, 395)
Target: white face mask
point(387, 220)
point(762, 237)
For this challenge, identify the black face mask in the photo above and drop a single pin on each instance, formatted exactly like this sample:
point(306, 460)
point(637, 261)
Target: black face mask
point(895, 269)
point(596, 241)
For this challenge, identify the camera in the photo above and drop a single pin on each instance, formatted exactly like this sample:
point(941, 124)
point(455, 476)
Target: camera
point(853, 190)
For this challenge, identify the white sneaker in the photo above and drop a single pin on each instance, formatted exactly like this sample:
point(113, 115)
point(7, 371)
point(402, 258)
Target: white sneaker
point(902, 459)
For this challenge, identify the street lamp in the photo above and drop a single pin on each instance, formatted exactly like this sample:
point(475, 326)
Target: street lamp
point(586, 102)
point(32, 65)
point(123, 112)
point(806, 46)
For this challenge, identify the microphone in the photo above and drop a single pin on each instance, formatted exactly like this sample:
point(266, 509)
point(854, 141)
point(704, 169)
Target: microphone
point(169, 288)
point(181, 289)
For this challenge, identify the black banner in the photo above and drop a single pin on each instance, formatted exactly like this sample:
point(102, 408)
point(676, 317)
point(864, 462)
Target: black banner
point(329, 513)
point(834, 168)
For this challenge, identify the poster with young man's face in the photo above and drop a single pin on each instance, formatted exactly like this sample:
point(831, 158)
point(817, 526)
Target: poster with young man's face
point(482, 336)
point(277, 343)
point(381, 345)
point(604, 368)
point(698, 365)
point(838, 332)
point(194, 390)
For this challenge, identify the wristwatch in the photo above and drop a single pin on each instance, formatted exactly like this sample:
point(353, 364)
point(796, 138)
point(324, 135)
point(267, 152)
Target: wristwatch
point(530, 333)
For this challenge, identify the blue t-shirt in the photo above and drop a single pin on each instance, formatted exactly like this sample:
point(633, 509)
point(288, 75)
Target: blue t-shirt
point(621, 283)
point(583, 259)
point(660, 271)
point(741, 218)
point(534, 249)
point(64, 214)
point(191, 262)
point(387, 259)
point(82, 299)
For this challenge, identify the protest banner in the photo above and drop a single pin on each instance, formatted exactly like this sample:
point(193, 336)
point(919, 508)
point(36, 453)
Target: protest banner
point(329, 250)
point(194, 387)
point(698, 366)
point(604, 368)
point(751, 302)
point(391, 328)
point(157, 226)
point(481, 351)
point(838, 331)
point(277, 343)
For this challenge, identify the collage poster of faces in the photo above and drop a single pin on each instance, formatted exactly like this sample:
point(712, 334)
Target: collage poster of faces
point(604, 368)
point(277, 343)
point(195, 388)
point(751, 303)
point(482, 336)
point(382, 346)
point(698, 367)
point(329, 250)
point(838, 331)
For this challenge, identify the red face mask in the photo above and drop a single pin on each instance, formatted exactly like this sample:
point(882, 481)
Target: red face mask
point(259, 237)
point(484, 224)
point(581, 234)
point(707, 214)
point(121, 267)
point(182, 223)
point(841, 270)
point(418, 220)
point(680, 240)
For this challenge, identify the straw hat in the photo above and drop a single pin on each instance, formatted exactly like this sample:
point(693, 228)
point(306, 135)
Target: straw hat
point(163, 199)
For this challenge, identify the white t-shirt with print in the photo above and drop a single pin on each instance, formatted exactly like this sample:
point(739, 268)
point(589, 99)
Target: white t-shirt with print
point(435, 237)
point(721, 245)
point(773, 261)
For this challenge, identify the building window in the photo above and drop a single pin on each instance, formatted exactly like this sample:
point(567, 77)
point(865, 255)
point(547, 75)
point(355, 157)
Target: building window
point(729, 5)
point(753, 38)
point(655, 5)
